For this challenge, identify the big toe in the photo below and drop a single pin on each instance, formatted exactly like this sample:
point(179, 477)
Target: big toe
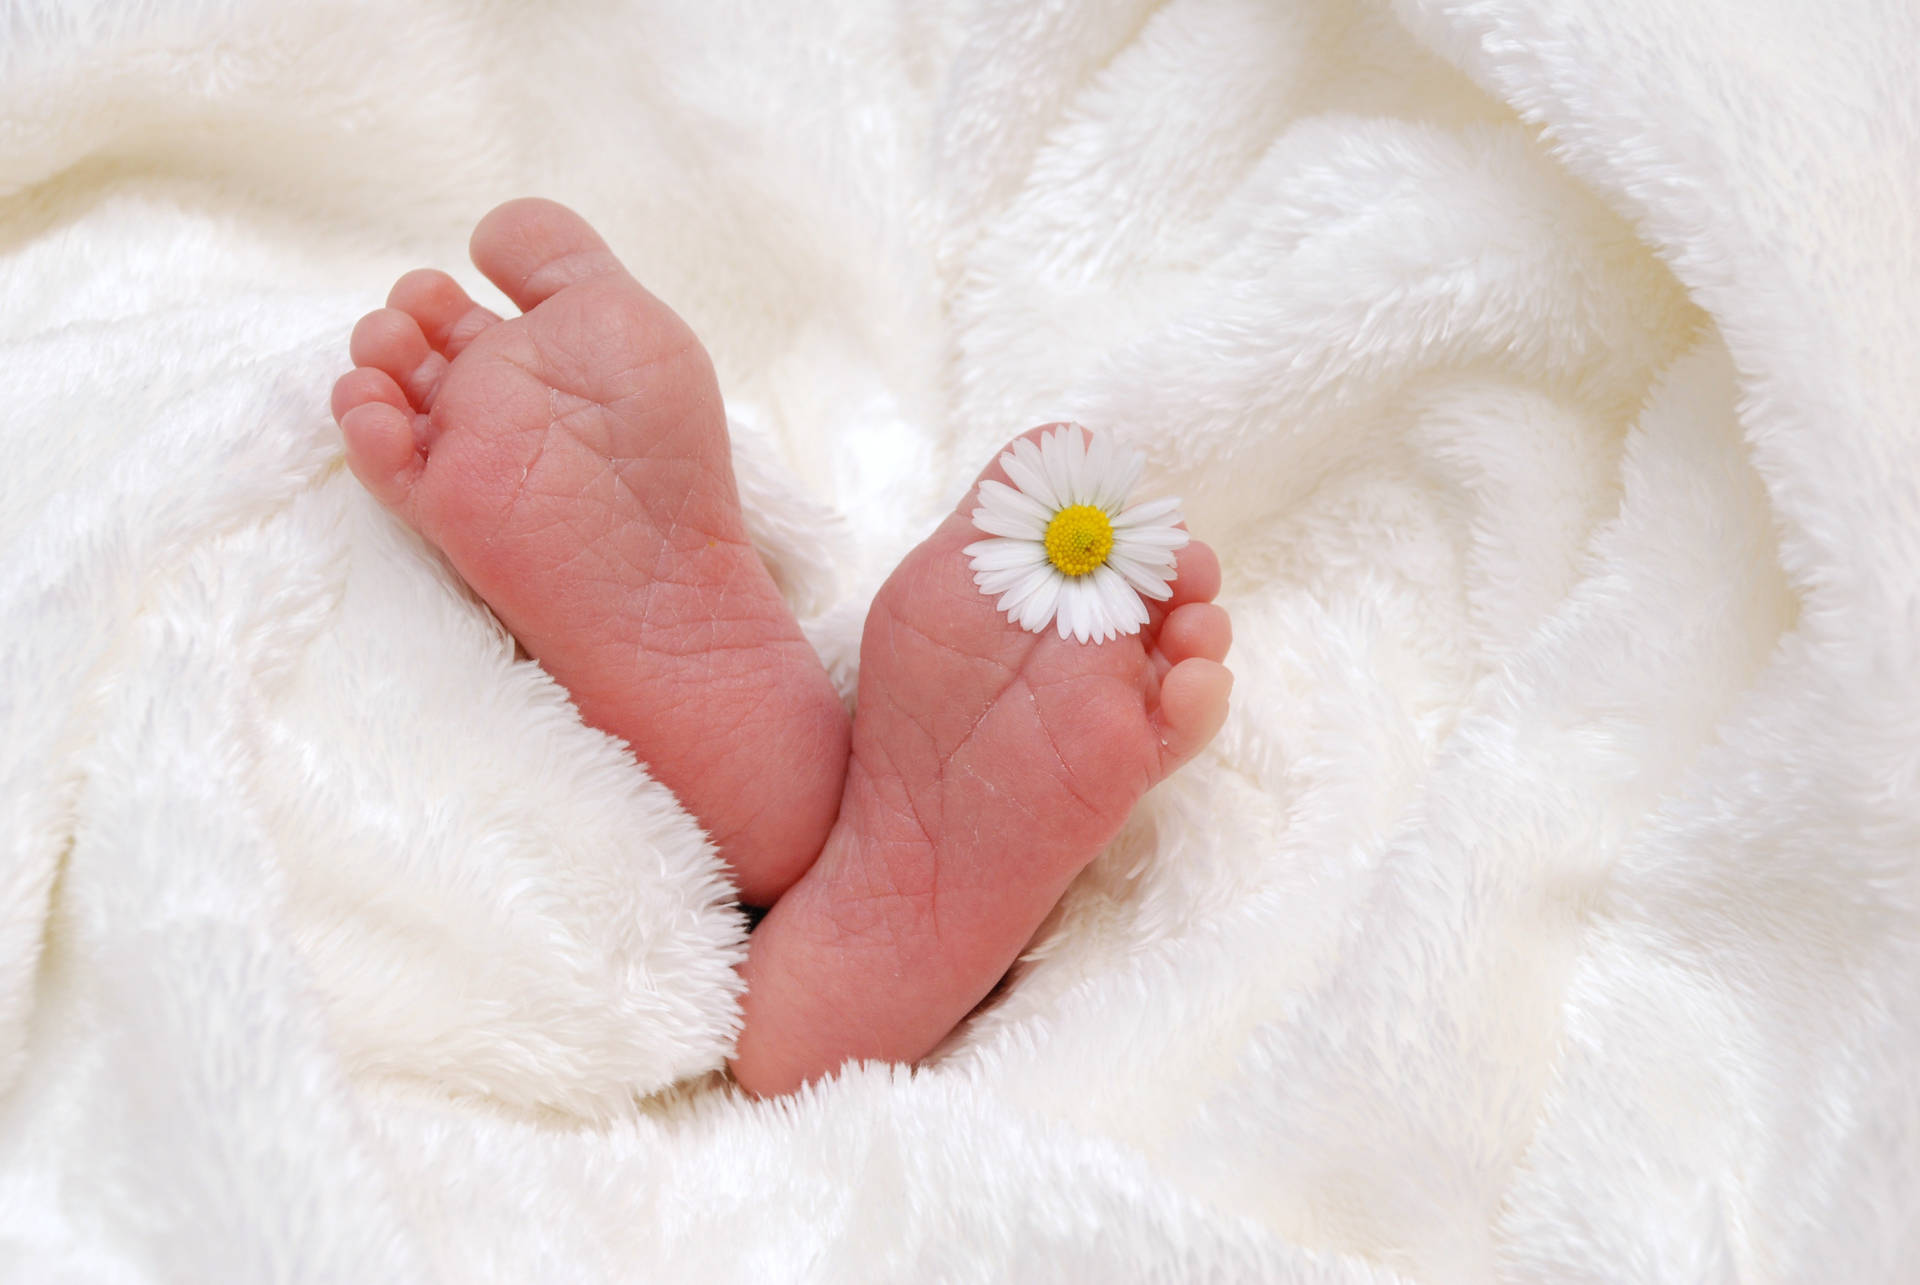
point(533, 248)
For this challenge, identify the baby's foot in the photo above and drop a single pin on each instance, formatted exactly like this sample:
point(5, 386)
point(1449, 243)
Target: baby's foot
point(573, 465)
point(990, 765)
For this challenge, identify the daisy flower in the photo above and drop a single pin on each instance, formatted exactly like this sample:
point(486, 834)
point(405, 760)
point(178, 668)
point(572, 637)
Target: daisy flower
point(1065, 546)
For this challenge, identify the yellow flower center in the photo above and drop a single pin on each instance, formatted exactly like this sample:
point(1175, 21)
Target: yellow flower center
point(1079, 539)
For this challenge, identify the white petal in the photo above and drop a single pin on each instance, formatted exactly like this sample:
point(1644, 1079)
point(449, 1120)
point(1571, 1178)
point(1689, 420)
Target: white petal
point(1032, 481)
point(1029, 472)
point(1058, 450)
point(1053, 452)
point(1096, 624)
point(1039, 608)
point(994, 582)
point(1099, 469)
point(1008, 525)
point(1040, 604)
point(1159, 512)
point(1157, 572)
point(1080, 613)
point(1089, 611)
point(1147, 555)
point(1123, 605)
point(1143, 579)
point(1093, 608)
point(996, 504)
point(1106, 485)
point(1077, 465)
point(1026, 584)
point(1000, 553)
point(1067, 619)
point(1127, 467)
point(1157, 537)
point(998, 497)
point(1017, 584)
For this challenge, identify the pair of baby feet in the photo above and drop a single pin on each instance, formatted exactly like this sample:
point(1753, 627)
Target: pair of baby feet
point(573, 465)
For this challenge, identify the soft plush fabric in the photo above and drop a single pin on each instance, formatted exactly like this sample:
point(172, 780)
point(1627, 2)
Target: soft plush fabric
point(1543, 370)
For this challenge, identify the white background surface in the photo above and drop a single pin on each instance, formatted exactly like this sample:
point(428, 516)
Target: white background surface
point(1542, 372)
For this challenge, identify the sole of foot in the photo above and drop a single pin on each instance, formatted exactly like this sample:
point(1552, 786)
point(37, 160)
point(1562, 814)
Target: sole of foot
point(990, 765)
point(573, 465)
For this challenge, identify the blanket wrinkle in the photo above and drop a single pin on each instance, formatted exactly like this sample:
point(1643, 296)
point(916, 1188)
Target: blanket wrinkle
point(1547, 910)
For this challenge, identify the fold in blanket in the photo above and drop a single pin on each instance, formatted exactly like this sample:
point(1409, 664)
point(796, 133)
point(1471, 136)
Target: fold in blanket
point(1547, 910)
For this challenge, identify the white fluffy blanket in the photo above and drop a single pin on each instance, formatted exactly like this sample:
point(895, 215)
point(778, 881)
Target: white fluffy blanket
point(1544, 372)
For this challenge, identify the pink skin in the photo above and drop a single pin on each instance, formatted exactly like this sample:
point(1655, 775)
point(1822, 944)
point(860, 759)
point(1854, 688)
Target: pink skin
point(990, 765)
point(573, 465)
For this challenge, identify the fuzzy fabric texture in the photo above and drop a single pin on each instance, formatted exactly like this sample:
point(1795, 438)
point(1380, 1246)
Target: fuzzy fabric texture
point(1543, 372)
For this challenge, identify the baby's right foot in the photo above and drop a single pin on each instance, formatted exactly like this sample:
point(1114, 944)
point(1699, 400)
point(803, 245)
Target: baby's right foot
point(990, 765)
point(573, 465)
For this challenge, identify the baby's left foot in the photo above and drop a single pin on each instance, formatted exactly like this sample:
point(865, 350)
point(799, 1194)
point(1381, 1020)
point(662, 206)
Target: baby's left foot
point(990, 765)
point(573, 465)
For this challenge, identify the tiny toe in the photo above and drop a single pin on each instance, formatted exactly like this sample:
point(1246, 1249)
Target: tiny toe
point(533, 248)
point(446, 314)
point(390, 340)
point(1196, 574)
point(1196, 578)
point(364, 384)
point(1193, 705)
point(381, 450)
point(1196, 630)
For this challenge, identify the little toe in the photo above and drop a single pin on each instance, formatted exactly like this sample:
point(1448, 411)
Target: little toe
point(1193, 705)
point(390, 340)
point(446, 314)
point(381, 450)
point(365, 384)
point(533, 248)
point(1196, 630)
